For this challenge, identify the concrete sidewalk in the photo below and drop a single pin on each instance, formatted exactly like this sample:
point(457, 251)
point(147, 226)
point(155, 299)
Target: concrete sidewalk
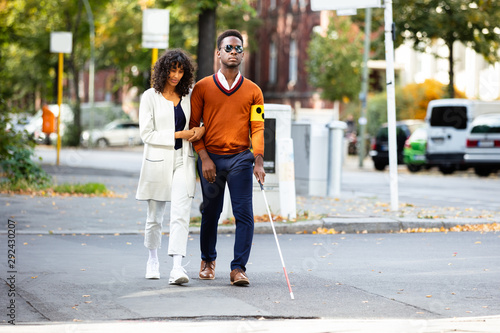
point(475, 324)
point(123, 214)
point(90, 219)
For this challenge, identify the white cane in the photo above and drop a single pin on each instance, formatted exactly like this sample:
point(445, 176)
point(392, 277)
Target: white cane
point(276, 238)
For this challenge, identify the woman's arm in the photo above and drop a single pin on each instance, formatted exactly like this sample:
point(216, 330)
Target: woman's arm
point(147, 128)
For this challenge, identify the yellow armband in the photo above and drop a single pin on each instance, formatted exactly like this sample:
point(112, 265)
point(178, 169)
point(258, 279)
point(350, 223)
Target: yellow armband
point(257, 113)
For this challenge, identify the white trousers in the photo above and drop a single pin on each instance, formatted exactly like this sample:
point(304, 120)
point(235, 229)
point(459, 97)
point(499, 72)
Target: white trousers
point(179, 214)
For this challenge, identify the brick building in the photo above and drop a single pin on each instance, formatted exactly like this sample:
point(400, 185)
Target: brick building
point(278, 64)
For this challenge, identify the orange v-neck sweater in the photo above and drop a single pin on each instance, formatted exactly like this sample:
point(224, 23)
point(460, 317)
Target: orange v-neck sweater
point(226, 116)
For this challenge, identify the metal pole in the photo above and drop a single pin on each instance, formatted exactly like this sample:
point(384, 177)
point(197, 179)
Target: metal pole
point(154, 57)
point(90, 18)
point(364, 87)
point(391, 104)
point(59, 102)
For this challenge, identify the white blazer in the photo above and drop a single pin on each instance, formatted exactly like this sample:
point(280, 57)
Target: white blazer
point(157, 129)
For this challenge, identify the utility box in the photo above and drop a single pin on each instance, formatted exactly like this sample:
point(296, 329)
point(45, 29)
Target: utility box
point(278, 164)
point(279, 185)
point(311, 157)
point(319, 150)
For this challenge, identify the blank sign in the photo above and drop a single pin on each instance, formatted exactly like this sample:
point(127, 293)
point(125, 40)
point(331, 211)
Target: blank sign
point(155, 22)
point(61, 42)
point(342, 4)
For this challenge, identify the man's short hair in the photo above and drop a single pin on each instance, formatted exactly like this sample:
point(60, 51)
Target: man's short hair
point(229, 33)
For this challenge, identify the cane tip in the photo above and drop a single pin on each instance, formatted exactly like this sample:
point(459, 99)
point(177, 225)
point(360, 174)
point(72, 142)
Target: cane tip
point(291, 295)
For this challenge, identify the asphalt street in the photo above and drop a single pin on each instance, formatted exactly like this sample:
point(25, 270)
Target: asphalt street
point(400, 276)
point(79, 266)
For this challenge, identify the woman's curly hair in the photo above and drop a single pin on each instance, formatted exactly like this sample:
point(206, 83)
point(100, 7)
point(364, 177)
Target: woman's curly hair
point(172, 59)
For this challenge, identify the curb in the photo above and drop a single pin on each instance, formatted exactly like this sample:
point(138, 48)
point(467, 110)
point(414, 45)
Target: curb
point(348, 225)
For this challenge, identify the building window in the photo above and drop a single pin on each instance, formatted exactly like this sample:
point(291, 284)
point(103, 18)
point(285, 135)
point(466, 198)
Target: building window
point(273, 63)
point(292, 66)
point(303, 4)
point(272, 6)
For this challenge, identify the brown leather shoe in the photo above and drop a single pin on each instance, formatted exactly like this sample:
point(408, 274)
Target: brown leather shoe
point(207, 270)
point(239, 277)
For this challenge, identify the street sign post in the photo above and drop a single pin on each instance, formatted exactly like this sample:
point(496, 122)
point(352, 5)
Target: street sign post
point(60, 42)
point(391, 95)
point(155, 28)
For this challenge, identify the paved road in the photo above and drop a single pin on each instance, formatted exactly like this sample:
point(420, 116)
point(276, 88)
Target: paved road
point(426, 188)
point(400, 276)
point(71, 266)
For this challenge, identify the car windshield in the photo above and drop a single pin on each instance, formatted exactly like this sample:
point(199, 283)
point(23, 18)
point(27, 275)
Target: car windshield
point(111, 126)
point(484, 128)
point(419, 134)
point(449, 116)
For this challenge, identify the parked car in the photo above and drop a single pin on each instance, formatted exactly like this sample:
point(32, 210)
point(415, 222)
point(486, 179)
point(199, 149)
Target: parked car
point(449, 121)
point(482, 149)
point(414, 150)
point(380, 144)
point(116, 133)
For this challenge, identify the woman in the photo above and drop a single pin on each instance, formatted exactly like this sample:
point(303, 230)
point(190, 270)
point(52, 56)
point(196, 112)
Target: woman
point(168, 166)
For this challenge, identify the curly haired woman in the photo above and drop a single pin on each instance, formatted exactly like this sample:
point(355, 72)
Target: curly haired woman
point(168, 166)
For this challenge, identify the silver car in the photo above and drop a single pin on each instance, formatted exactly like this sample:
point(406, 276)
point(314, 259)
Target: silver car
point(116, 133)
point(482, 150)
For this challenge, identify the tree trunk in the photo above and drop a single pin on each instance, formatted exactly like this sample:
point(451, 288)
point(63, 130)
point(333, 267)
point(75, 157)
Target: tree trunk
point(75, 131)
point(451, 89)
point(206, 42)
point(77, 112)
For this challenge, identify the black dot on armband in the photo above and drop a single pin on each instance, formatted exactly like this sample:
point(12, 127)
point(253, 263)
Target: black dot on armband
point(259, 110)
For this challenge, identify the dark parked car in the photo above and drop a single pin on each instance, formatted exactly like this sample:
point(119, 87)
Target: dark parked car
point(380, 144)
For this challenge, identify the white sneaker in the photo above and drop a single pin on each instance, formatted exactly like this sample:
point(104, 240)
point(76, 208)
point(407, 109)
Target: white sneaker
point(178, 276)
point(153, 269)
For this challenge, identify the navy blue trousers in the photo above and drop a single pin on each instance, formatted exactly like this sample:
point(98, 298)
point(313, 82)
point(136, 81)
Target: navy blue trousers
point(237, 171)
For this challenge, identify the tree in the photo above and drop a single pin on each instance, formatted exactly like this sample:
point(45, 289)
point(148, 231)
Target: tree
point(213, 15)
point(334, 63)
point(472, 22)
point(30, 70)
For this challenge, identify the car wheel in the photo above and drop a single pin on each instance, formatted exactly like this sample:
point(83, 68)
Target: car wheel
point(380, 166)
point(413, 167)
point(482, 171)
point(447, 169)
point(102, 143)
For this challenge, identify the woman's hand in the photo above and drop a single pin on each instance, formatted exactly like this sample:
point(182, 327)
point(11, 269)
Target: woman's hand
point(198, 133)
point(184, 134)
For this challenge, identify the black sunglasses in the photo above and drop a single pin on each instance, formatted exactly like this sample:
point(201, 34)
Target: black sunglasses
point(238, 48)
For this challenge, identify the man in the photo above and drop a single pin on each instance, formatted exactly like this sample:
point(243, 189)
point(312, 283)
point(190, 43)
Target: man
point(232, 107)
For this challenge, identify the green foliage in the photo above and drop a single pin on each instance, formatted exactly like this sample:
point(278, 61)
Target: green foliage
point(16, 156)
point(71, 136)
point(334, 63)
point(411, 102)
point(413, 99)
point(88, 188)
point(376, 110)
point(377, 43)
point(471, 22)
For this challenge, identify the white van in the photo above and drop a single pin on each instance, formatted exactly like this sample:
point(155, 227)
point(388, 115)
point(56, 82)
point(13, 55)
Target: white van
point(448, 122)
